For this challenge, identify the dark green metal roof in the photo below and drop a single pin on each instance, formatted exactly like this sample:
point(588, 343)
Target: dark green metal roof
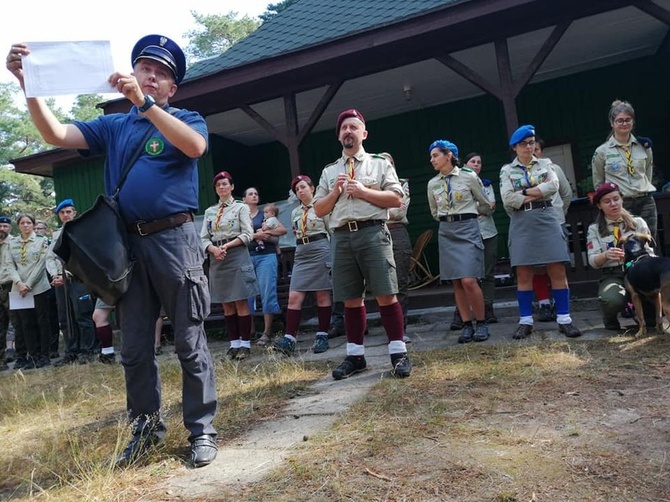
point(308, 23)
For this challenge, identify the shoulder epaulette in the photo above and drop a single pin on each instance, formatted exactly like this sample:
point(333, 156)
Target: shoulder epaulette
point(467, 170)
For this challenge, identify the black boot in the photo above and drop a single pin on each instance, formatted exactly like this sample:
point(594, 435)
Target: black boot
point(457, 322)
point(489, 315)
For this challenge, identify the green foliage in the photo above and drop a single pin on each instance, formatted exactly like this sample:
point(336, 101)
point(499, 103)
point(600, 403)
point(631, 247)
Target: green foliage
point(217, 34)
point(275, 8)
point(24, 193)
point(85, 107)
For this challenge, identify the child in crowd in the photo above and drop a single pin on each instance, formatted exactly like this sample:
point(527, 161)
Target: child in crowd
point(270, 222)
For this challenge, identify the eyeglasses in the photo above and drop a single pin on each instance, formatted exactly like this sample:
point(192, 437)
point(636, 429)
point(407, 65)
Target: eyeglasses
point(526, 144)
point(623, 121)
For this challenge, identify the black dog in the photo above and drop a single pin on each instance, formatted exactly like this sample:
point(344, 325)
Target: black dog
point(646, 275)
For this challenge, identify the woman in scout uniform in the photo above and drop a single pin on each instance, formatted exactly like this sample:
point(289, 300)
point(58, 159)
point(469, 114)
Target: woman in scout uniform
point(226, 232)
point(628, 162)
point(311, 268)
point(604, 249)
point(456, 198)
point(527, 185)
point(26, 262)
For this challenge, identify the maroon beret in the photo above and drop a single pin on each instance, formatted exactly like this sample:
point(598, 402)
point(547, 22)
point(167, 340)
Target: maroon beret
point(603, 190)
point(221, 175)
point(345, 115)
point(298, 179)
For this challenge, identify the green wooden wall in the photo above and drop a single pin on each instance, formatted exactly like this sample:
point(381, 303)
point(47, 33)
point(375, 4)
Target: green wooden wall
point(570, 109)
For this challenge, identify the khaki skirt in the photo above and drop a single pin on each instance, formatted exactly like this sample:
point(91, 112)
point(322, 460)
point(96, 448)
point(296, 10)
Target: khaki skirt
point(234, 278)
point(311, 267)
point(461, 250)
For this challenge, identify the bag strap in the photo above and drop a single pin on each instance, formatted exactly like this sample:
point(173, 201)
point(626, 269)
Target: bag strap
point(126, 169)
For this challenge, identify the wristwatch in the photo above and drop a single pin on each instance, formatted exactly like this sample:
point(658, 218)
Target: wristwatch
point(522, 191)
point(148, 103)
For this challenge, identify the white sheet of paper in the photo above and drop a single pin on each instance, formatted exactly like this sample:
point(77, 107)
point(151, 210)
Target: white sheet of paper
point(18, 302)
point(68, 68)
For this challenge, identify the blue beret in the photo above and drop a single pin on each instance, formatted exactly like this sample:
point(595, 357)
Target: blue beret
point(443, 143)
point(163, 50)
point(5, 219)
point(523, 132)
point(62, 204)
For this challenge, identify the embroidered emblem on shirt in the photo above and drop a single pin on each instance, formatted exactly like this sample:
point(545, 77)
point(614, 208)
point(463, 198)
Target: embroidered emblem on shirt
point(154, 146)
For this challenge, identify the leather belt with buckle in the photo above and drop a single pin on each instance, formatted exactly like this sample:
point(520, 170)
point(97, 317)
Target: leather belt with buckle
point(223, 241)
point(537, 204)
point(311, 238)
point(151, 227)
point(355, 226)
point(458, 217)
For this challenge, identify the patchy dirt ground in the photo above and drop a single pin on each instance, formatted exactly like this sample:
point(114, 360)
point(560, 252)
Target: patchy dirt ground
point(548, 421)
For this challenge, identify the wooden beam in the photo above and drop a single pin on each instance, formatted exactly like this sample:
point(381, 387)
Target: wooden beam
point(654, 10)
point(507, 95)
point(292, 126)
point(549, 44)
point(468, 74)
point(319, 109)
point(260, 120)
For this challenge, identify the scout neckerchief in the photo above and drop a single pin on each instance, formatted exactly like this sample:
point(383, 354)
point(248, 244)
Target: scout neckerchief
point(616, 230)
point(24, 251)
point(351, 169)
point(629, 160)
point(219, 213)
point(447, 187)
point(303, 221)
point(526, 174)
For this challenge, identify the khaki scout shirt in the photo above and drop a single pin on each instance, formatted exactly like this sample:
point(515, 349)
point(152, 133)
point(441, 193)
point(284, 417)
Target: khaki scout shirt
point(610, 163)
point(373, 171)
point(234, 221)
point(487, 225)
point(597, 244)
point(5, 269)
point(514, 178)
point(26, 262)
point(399, 214)
point(467, 194)
point(54, 264)
point(313, 224)
point(563, 196)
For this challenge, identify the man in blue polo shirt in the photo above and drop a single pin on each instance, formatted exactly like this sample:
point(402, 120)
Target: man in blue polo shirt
point(157, 203)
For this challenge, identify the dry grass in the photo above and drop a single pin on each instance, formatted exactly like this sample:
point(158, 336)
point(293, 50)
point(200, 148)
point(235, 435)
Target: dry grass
point(585, 421)
point(62, 427)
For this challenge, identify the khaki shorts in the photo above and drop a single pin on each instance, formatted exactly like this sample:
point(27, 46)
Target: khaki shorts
point(363, 262)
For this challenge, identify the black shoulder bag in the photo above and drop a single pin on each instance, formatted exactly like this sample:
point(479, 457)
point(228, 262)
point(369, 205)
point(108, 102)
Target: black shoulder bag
point(94, 245)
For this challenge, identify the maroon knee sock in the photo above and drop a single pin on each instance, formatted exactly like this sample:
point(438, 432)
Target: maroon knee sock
point(231, 325)
point(244, 326)
point(392, 320)
point(354, 324)
point(292, 321)
point(541, 286)
point(105, 335)
point(324, 314)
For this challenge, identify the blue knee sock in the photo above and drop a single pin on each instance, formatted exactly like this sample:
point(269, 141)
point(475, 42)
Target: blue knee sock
point(562, 299)
point(525, 299)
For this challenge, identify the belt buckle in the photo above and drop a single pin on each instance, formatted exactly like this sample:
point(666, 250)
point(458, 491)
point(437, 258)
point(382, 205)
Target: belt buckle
point(528, 206)
point(353, 226)
point(305, 240)
point(139, 228)
point(450, 218)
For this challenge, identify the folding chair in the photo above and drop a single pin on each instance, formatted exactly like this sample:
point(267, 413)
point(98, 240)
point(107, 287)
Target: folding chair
point(419, 270)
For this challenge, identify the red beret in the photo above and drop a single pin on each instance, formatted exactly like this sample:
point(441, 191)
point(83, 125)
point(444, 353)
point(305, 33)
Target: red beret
point(221, 175)
point(603, 190)
point(345, 115)
point(298, 179)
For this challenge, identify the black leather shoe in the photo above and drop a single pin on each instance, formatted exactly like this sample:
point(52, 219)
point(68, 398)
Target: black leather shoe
point(402, 366)
point(336, 331)
point(569, 330)
point(138, 446)
point(203, 450)
point(523, 331)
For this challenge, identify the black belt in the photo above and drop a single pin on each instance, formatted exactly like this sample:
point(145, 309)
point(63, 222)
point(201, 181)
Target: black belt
point(617, 270)
point(396, 224)
point(151, 227)
point(223, 241)
point(6, 287)
point(311, 238)
point(458, 217)
point(637, 197)
point(537, 204)
point(355, 226)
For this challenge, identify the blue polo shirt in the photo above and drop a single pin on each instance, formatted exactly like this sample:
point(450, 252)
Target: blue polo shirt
point(163, 179)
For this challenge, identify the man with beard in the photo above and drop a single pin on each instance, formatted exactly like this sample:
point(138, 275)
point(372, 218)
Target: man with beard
point(75, 305)
point(357, 191)
point(6, 329)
